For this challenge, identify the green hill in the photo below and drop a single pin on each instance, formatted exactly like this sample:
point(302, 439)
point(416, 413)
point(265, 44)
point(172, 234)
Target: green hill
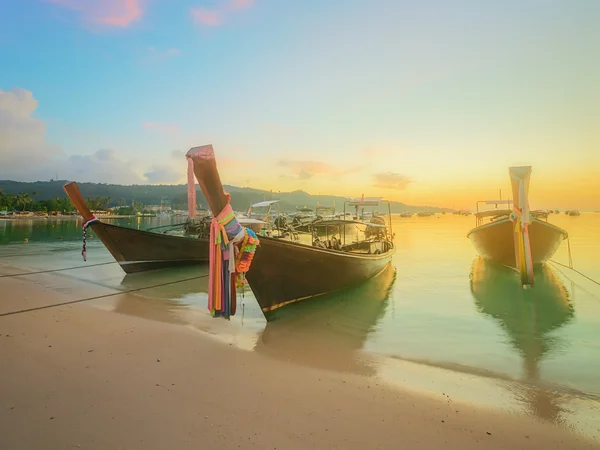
point(176, 195)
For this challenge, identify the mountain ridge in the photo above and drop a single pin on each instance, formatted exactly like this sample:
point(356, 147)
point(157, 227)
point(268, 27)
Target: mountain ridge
point(176, 195)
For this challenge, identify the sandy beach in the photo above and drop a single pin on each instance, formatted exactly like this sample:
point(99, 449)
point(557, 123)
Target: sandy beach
point(77, 376)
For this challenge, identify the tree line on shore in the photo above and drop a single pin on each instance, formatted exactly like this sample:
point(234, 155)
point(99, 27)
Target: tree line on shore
point(26, 201)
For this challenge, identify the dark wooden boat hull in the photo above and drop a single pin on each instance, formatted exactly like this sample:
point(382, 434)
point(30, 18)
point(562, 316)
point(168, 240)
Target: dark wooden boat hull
point(138, 250)
point(285, 272)
point(495, 241)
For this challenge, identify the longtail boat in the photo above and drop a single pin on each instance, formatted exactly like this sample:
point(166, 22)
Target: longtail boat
point(515, 237)
point(139, 250)
point(283, 272)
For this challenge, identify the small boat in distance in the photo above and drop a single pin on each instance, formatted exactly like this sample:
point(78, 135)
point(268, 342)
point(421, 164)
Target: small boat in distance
point(406, 214)
point(530, 242)
point(425, 213)
point(573, 212)
point(139, 250)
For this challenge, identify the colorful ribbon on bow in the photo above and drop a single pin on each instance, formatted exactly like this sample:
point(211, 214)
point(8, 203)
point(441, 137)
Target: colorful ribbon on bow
point(227, 262)
point(524, 260)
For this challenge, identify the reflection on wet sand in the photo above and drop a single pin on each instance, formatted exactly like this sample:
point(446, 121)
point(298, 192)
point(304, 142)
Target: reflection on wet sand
point(528, 316)
point(327, 332)
point(168, 308)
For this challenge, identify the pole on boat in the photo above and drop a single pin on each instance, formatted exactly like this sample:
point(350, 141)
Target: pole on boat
point(205, 168)
point(191, 193)
point(78, 201)
point(232, 246)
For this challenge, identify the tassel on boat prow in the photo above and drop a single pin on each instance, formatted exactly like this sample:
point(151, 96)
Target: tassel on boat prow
point(521, 217)
point(232, 246)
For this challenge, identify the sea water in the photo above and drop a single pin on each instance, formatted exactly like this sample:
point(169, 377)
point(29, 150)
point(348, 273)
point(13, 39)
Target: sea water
point(441, 320)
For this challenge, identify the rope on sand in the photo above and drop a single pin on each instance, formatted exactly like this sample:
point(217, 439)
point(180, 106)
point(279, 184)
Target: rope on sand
point(55, 270)
point(97, 297)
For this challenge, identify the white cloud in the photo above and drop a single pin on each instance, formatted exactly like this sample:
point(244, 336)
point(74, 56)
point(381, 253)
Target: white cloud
point(391, 180)
point(23, 143)
point(103, 166)
point(164, 175)
point(26, 155)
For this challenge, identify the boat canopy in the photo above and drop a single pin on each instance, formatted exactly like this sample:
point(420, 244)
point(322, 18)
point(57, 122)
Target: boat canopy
point(246, 220)
point(494, 212)
point(325, 208)
point(263, 204)
point(498, 202)
point(365, 201)
point(326, 223)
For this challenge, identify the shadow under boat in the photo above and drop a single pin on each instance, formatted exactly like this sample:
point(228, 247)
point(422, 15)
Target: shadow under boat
point(528, 316)
point(328, 334)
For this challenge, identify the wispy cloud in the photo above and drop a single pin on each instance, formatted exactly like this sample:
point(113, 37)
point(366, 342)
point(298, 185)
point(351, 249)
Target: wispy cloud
point(280, 130)
point(379, 152)
point(163, 175)
point(305, 170)
point(218, 15)
point(391, 180)
point(110, 13)
point(161, 127)
point(154, 55)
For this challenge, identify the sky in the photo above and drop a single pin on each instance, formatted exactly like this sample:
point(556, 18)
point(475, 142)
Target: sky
point(424, 102)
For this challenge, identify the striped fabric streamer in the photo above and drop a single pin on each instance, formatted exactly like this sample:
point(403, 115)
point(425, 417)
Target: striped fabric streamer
point(191, 188)
point(228, 261)
point(524, 260)
point(85, 226)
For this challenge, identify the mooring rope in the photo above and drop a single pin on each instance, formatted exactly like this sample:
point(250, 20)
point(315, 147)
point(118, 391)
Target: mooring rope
point(570, 266)
point(56, 270)
point(576, 271)
point(44, 252)
point(97, 297)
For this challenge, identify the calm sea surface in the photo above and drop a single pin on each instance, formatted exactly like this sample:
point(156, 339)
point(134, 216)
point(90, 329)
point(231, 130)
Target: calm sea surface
point(442, 322)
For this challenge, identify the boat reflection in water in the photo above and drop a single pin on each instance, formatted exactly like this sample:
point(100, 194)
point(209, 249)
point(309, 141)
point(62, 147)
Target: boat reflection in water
point(528, 316)
point(328, 334)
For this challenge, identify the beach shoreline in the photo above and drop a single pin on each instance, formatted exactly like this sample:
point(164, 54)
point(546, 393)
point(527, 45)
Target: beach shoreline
point(73, 217)
point(84, 377)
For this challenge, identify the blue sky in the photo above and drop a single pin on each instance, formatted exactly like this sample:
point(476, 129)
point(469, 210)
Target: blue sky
point(425, 101)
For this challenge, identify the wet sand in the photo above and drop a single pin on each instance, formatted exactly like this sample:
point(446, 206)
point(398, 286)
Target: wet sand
point(80, 377)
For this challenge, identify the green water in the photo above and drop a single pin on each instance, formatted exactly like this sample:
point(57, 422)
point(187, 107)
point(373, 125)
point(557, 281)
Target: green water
point(442, 321)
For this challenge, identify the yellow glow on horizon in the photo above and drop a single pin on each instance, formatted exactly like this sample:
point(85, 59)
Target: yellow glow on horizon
point(571, 189)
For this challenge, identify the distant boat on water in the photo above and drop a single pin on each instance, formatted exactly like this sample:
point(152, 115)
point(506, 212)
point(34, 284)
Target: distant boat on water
point(425, 213)
point(573, 212)
point(406, 214)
